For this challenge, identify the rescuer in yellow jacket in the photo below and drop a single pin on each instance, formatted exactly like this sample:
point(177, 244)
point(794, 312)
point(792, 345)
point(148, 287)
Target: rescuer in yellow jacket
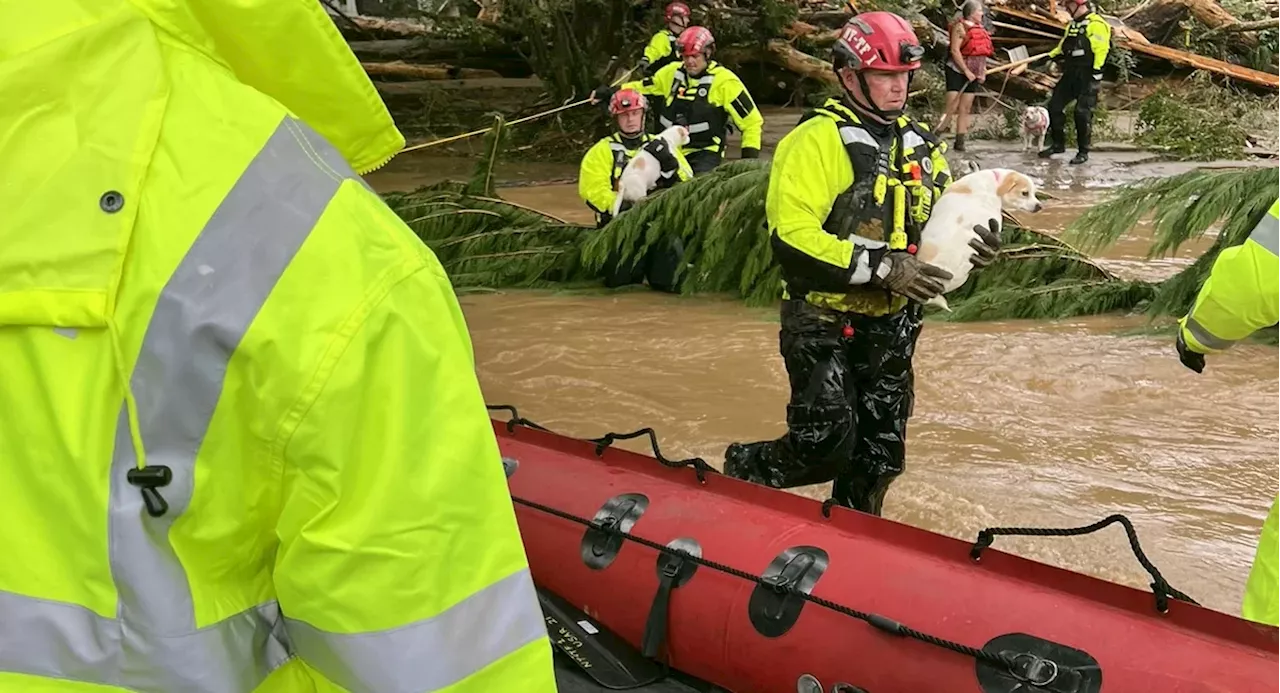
point(1241, 296)
point(597, 185)
point(849, 191)
point(662, 49)
point(1083, 51)
point(242, 445)
point(705, 96)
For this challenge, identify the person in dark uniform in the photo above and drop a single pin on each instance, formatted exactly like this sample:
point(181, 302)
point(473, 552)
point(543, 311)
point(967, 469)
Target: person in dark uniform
point(1083, 51)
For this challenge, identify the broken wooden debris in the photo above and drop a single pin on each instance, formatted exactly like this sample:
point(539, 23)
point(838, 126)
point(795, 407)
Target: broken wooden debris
point(1133, 40)
point(399, 68)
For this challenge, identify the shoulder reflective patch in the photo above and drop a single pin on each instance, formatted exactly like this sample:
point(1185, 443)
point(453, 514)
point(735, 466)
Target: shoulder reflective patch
point(852, 134)
point(1267, 234)
point(743, 105)
point(911, 139)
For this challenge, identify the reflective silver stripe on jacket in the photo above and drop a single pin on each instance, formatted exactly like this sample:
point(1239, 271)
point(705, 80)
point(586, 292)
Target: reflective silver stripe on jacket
point(434, 652)
point(852, 134)
point(1267, 233)
point(1205, 337)
point(862, 268)
point(205, 309)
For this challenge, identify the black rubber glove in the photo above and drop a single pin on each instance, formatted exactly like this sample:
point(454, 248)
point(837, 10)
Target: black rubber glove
point(668, 166)
point(603, 94)
point(907, 276)
point(662, 152)
point(987, 245)
point(1191, 359)
point(750, 153)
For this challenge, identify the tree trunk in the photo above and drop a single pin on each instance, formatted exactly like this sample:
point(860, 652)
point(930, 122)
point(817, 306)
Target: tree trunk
point(1256, 25)
point(400, 68)
point(382, 26)
point(830, 18)
point(1159, 20)
point(463, 54)
point(783, 55)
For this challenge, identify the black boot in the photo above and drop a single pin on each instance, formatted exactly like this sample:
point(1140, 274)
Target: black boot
point(959, 143)
point(1080, 157)
point(1051, 150)
point(740, 463)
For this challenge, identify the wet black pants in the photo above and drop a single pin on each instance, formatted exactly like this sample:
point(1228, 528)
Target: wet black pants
point(659, 265)
point(703, 161)
point(1077, 84)
point(850, 399)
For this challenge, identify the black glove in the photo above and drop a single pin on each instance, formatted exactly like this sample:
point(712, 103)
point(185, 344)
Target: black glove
point(668, 166)
point(1191, 359)
point(986, 245)
point(603, 94)
point(907, 276)
point(662, 152)
point(750, 153)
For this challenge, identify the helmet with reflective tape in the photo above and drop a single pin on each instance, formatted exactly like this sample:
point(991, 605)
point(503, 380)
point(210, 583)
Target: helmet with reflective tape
point(677, 9)
point(696, 40)
point(877, 41)
point(625, 101)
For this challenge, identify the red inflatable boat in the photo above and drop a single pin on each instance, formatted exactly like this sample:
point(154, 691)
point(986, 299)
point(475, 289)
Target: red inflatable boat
point(667, 576)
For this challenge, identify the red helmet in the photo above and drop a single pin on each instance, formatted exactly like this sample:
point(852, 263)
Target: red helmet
point(625, 101)
point(695, 40)
point(878, 41)
point(677, 9)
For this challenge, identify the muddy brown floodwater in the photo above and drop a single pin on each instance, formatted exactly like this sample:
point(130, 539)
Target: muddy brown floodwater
point(1016, 423)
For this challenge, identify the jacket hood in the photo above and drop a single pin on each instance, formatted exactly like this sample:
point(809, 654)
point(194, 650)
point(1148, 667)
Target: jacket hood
point(291, 51)
point(84, 94)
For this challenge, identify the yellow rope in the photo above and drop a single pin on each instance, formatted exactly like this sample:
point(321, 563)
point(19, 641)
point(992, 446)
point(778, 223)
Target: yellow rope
point(525, 119)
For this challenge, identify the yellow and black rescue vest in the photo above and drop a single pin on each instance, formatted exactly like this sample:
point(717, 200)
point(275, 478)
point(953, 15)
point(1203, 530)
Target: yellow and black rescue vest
point(895, 184)
point(622, 155)
point(688, 104)
point(1076, 49)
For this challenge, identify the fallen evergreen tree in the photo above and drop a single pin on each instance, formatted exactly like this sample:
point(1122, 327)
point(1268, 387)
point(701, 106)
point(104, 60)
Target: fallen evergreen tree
point(1183, 208)
point(485, 242)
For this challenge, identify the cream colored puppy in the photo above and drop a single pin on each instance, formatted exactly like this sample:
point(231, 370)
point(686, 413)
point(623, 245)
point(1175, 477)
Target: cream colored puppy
point(971, 201)
point(642, 172)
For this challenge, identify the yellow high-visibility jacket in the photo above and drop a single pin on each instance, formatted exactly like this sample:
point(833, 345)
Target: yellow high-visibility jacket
point(1242, 295)
point(659, 52)
point(815, 166)
point(1087, 39)
point(603, 164)
point(242, 445)
point(707, 103)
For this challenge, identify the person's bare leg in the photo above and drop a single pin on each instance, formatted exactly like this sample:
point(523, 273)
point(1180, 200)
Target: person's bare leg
point(948, 110)
point(965, 108)
point(962, 119)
